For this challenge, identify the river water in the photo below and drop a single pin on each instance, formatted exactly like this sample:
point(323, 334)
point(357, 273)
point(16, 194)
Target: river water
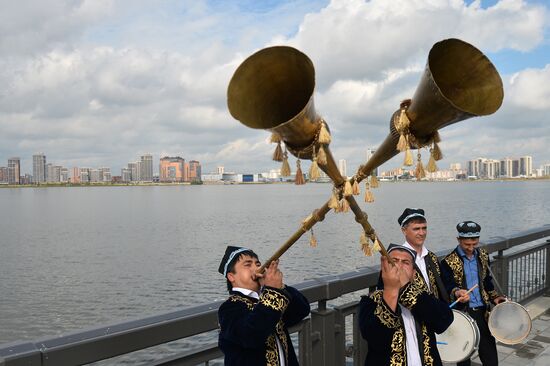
point(79, 257)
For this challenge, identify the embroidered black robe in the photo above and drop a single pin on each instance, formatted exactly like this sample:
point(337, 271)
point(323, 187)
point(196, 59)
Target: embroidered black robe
point(249, 327)
point(384, 330)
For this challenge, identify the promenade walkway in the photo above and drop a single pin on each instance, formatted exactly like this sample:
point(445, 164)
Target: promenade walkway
point(535, 350)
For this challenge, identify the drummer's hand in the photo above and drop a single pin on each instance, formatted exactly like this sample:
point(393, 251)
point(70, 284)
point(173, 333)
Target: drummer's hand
point(462, 295)
point(499, 299)
point(273, 277)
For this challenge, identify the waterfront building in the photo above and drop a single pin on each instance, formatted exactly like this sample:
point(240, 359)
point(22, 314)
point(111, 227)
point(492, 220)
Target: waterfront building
point(526, 166)
point(53, 173)
point(342, 167)
point(212, 177)
point(39, 168)
point(75, 178)
point(104, 174)
point(370, 153)
point(26, 179)
point(546, 170)
point(14, 170)
point(172, 169)
point(146, 168)
point(125, 175)
point(134, 171)
point(84, 175)
point(3, 174)
point(194, 171)
point(64, 175)
point(94, 176)
point(491, 168)
point(506, 167)
point(456, 166)
point(476, 168)
point(219, 169)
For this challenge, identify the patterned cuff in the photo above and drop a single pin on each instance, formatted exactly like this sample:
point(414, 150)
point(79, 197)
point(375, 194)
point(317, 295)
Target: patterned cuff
point(493, 295)
point(274, 299)
point(409, 294)
point(453, 296)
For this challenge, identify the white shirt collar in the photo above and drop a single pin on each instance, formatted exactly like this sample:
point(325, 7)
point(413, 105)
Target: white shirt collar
point(421, 255)
point(246, 292)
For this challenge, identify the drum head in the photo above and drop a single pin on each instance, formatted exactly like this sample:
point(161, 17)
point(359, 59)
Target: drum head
point(509, 322)
point(460, 340)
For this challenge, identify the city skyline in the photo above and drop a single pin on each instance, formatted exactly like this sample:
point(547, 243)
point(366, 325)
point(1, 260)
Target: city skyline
point(96, 83)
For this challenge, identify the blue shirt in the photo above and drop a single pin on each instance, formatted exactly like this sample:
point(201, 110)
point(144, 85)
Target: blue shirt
point(472, 278)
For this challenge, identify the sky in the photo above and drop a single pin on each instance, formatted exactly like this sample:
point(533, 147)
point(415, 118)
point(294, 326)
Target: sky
point(94, 83)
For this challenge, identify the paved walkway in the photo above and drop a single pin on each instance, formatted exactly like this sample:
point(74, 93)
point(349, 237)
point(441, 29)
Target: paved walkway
point(535, 350)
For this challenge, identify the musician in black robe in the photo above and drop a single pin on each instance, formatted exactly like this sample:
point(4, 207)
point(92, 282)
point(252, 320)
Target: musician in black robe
point(399, 321)
point(463, 268)
point(254, 320)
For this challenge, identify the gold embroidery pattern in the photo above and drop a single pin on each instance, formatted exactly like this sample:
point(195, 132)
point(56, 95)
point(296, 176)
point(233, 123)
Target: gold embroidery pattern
point(249, 303)
point(274, 300)
point(428, 359)
point(457, 267)
point(272, 352)
point(410, 294)
point(282, 338)
point(399, 352)
point(433, 284)
point(383, 313)
point(419, 281)
point(435, 261)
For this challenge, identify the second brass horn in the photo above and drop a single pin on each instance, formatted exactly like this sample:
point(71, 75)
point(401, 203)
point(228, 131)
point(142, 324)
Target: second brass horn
point(459, 82)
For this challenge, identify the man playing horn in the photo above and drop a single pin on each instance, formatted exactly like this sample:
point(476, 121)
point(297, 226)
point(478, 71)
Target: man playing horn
point(414, 227)
point(255, 318)
point(399, 321)
point(465, 267)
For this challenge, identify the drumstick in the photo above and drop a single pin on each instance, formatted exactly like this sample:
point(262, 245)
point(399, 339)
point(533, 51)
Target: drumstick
point(467, 292)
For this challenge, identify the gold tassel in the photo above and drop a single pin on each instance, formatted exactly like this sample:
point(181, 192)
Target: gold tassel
point(404, 121)
point(312, 240)
point(333, 202)
point(376, 246)
point(368, 194)
point(365, 247)
point(344, 205)
point(408, 158)
point(285, 168)
point(436, 138)
point(275, 137)
point(374, 181)
point(322, 156)
point(278, 153)
point(314, 171)
point(299, 179)
point(324, 135)
point(348, 189)
point(402, 144)
point(355, 188)
point(436, 152)
point(419, 171)
point(431, 167)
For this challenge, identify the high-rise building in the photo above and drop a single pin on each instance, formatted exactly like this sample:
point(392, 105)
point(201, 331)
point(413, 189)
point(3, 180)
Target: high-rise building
point(3, 174)
point(506, 167)
point(194, 171)
point(64, 175)
point(134, 171)
point(39, 168)
point(146, 169)
point(219, 170)
point(125, 175)
point(84, 175)
point(370, 153)
point(75, 178)
point(14, 170)
point(526, 166)
point(172, 169)
point(53, 173)
point(342, 168)
point(491, 168)
point(456, 166)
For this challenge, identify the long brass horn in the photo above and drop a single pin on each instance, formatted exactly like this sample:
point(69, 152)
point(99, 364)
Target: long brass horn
point(273, 90)
point(459, 82)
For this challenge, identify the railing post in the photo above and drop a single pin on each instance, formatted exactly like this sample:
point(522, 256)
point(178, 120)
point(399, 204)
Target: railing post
point(323, 331)
point(547, 265)
point(339, 337)
point(501, 272)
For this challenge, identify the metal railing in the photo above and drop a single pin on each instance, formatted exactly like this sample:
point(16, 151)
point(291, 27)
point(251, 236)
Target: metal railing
point(330, 336)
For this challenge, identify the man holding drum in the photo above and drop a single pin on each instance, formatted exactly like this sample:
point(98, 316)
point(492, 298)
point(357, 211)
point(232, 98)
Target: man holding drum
point(414, 227)
point(465, 267)
point(399, 321)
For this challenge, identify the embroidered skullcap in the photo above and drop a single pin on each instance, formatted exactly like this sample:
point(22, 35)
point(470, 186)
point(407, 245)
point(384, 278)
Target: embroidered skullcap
point(230, 256)
point(468, 229)
point(393, 247)
point(410, 213)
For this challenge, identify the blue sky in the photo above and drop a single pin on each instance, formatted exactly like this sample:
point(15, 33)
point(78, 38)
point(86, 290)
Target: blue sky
point(98, 83)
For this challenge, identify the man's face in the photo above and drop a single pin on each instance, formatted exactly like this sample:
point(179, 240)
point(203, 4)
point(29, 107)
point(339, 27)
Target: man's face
point(415, 233)
point(244, 273)
point(404, 261)
point(468, 245)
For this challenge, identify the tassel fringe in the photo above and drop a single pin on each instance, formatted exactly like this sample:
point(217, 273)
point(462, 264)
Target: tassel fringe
point(419, 171)
point(299, 179)
point(348, 189)
point(312, 240)
point(431, 167)
point(436, 152)
point(408, 158)
point(333, 202)
point(355, 188)
point(278, 153)
point(374, 181)
point(402, 144)
point(365, 246)
point(285, 168)
point(344, 205)
point(324, 135)
point(275, 138)
point(322, 156)
point(314, 171)
point(376, 246)
point(369, 197)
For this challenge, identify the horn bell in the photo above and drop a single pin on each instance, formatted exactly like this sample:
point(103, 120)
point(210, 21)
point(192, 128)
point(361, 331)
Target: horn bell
point(273, 90)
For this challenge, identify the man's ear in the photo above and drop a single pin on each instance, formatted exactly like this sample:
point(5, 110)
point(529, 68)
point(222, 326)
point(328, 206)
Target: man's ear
point(230, 277)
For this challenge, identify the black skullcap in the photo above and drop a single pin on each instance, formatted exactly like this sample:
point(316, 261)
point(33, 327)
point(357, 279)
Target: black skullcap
point(468, 229)
point(393, 247)
point(229, 257)
point(410, 213)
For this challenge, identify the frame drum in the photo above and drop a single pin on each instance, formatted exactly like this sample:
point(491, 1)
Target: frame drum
point(509, 322)
point(460, 340)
